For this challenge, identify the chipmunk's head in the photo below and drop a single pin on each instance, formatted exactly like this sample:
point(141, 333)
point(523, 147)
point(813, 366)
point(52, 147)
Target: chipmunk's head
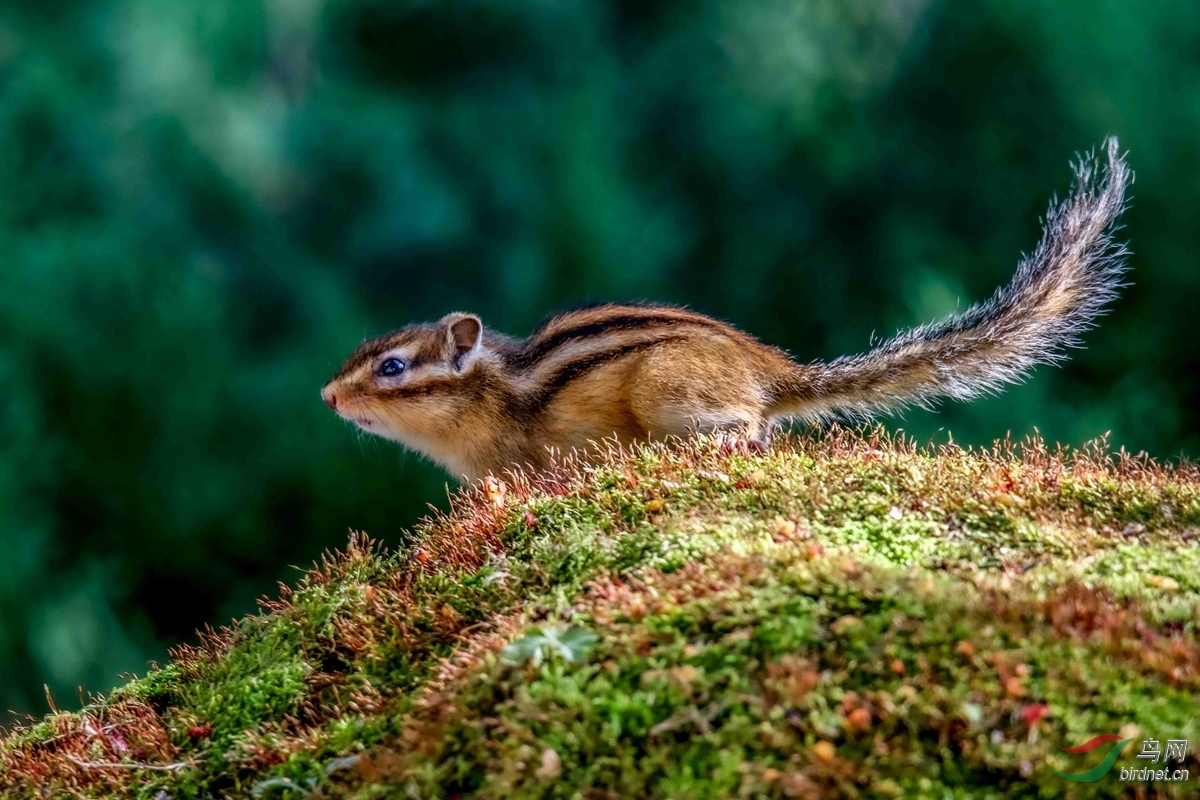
point(411, 386)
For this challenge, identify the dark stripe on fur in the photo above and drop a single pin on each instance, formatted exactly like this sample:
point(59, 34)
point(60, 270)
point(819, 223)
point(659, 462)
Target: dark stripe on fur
point(537, 401)
point(441, 385)
point(583, 307)
point(534, 351)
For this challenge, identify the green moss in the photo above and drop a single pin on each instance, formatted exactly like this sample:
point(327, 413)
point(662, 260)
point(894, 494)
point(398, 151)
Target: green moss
point(258, 681)
point(841, 616)
point(156, 685)
point(706, 699)
point(35, 735)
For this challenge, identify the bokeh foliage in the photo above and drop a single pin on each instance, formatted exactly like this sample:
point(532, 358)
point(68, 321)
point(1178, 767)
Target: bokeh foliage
point(207, 203)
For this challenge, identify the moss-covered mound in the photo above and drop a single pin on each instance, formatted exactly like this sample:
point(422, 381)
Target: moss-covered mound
point(847, 616)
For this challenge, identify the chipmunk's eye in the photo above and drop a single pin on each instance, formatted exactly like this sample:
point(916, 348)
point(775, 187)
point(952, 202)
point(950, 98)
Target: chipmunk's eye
point(390, 367)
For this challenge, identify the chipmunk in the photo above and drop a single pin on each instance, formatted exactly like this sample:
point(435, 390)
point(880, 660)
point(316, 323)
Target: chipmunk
point(478, 402)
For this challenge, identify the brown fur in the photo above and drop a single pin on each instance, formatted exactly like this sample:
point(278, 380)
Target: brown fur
point(478, 402)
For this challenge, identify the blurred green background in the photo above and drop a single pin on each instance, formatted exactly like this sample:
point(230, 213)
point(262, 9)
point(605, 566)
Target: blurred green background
point(206, 204)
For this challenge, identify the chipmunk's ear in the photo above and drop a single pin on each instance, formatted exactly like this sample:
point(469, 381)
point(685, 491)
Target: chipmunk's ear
point(464, 332)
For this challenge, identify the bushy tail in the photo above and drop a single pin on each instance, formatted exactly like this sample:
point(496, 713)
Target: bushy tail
point(1057, 293)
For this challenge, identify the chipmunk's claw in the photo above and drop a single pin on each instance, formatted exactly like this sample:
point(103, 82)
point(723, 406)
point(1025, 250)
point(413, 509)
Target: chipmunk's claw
point(730, 444)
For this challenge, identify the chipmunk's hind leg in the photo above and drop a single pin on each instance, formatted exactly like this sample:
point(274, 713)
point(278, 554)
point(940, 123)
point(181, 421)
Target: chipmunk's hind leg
point(736, 429)
point(751, 439)
point(703, 385)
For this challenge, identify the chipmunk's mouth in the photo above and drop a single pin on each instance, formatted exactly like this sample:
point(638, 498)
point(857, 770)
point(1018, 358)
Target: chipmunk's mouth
point(362, 422)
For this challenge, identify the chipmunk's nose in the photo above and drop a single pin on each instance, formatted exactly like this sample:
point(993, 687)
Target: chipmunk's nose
point(329, 397)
